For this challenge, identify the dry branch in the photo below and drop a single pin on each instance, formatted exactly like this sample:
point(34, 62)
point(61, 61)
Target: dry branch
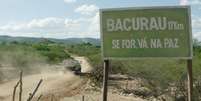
point(35, 90)
point(20, 82)
point(14, 90)
point(39, 97)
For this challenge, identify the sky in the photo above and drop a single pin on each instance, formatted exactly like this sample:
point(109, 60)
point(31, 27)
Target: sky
point(73, 18)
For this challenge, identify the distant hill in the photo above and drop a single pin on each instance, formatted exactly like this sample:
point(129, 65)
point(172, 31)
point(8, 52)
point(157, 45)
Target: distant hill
point(37, 40)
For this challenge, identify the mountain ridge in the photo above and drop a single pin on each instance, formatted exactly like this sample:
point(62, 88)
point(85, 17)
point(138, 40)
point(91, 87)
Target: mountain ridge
point(5, 38)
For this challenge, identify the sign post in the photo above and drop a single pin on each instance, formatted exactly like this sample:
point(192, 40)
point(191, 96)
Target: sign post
point(105, 79)
point(190, 79)
point(146, 32)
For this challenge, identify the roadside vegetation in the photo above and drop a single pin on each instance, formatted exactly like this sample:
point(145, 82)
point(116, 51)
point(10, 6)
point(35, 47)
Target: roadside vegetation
point(161, 75)
point(29, 57)
point(47, 51)
point(54, 53)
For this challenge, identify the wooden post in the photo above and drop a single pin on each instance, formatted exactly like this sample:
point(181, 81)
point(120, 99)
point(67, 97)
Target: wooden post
point(190, 79)
point(83, 98)
point(21, 84)
point(105, 79)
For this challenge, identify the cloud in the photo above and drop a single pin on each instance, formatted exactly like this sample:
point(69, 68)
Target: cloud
point(87, 9)
point(70, 1)
point(94, 26)
point(190, 2)
point(183, 2)
point(196, 23)
point(197, 35)
point(195, 2)
point(55, 27)
point(70, 23)
point(50, 24)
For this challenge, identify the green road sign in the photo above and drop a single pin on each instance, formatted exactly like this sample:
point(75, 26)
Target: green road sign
point(150, 32)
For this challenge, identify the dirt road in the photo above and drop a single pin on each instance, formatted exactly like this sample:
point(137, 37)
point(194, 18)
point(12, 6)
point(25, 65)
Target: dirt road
point(54, 83)
point(86, 67)
point(58, 85)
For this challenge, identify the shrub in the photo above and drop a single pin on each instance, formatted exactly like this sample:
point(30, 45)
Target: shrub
point(54, 53)
point(20, 56)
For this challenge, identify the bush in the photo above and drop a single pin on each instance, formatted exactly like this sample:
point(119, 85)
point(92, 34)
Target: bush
point(20, 56)
point(54, 53)
point(84, 49)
